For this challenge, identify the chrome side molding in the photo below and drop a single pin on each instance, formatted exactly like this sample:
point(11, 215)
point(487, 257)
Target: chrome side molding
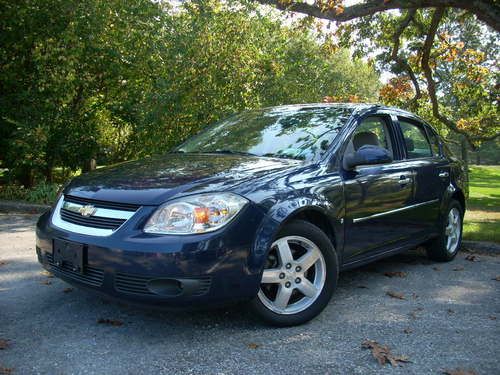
point(360, 219)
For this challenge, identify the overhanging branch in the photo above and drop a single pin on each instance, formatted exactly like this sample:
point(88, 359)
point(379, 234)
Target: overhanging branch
point(486, 10)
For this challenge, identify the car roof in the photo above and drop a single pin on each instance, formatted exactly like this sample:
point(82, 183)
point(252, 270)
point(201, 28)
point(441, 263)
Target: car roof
point(358, 108)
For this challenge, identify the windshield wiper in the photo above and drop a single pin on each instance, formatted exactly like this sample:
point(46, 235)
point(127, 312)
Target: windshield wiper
point(231, 152)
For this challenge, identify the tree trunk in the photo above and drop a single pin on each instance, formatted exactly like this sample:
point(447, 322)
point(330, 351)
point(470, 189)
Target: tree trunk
point(49, 176)
point(464, 152)
point(89, 165)
point(25, 177)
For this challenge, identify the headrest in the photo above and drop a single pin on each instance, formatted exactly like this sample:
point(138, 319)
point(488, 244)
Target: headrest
point(410, 145)
point(364, 138)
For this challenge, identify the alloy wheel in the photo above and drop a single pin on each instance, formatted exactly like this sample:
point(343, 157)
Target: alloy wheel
point(294, 275)
point(452, 230)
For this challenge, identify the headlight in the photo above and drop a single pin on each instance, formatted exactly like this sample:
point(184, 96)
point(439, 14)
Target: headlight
point(195, 214)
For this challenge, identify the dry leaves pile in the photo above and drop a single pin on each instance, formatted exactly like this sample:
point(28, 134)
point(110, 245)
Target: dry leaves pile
point(472, 258)
point(395, 274)
point(111, 322)
point(397, 295)
point(383, 354)
point(47, 274)
point(4, 344)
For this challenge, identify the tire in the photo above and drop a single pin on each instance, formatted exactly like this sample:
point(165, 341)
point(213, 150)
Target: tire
point(446, 246)
point(308, 278)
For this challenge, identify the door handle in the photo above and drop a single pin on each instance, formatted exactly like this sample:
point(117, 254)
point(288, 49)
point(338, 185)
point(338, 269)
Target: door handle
point(403, 180)
point(444, 174)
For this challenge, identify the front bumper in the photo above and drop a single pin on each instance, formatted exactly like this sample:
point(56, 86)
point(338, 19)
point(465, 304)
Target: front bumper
point(165, 271)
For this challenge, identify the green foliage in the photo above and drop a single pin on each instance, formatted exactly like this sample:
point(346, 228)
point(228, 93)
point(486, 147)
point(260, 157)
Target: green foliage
point(42, 193)
point(463, 59)
point(113, 80)
point(482, 219)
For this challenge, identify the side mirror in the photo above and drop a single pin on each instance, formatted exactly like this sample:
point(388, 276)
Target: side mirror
point(367, 155)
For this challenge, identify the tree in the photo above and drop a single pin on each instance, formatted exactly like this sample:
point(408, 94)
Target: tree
point(439, 47)
point(107, 81)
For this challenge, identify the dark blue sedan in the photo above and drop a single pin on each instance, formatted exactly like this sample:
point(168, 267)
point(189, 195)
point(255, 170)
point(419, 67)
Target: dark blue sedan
point(267, 206)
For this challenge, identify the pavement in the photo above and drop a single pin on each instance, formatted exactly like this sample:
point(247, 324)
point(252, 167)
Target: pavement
point(448, 320)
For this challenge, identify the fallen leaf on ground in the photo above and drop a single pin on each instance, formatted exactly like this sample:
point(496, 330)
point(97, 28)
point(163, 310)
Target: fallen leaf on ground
point(459, 371)
point(496, 278)
point(4, 344)
point(253, 345)
point(459, 268)
point(472, 258)
point(392, 294)
point(46, 282)
point(47, 274)
point(395, 274)
point(6, 370)
point(67, 290)
point(383, 354)
point(413, 314)
point(111, 322)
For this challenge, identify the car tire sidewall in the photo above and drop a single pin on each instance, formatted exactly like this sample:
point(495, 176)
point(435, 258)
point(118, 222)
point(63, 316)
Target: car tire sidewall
point(316, 235)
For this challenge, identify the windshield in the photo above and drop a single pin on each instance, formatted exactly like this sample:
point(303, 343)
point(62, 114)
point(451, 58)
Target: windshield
point(303, 133)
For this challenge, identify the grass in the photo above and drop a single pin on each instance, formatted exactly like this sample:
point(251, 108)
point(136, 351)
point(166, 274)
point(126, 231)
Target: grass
point(482, 219)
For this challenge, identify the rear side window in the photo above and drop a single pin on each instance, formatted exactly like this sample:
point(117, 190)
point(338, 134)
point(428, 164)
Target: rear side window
point(434, 140)
point(417, 145)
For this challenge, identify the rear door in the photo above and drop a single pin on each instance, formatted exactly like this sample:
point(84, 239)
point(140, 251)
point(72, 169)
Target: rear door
point(431, 169)
point(376, 195)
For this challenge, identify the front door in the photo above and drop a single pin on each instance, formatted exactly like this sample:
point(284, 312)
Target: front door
point(376, 195)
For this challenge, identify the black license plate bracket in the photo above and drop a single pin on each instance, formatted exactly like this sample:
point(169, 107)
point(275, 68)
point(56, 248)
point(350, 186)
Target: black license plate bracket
point(69, 254)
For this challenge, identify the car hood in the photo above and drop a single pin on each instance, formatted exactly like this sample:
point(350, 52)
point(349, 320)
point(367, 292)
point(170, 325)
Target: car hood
point(154, 180)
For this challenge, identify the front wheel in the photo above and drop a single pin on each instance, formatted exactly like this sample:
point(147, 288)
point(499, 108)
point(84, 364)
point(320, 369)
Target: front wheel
point(299, 276)
point(445, 247)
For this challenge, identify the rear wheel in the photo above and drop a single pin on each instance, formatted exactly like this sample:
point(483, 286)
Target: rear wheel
point(445, 247)
point(299, 276)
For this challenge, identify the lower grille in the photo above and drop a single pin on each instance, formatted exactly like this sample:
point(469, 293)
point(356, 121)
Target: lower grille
point(135, 284)
point(132, 284)
point(91, 276)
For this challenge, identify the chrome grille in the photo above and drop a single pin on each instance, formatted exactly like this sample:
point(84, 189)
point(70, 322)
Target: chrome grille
point(91, 217)
point(93, 221)
point(102, 204)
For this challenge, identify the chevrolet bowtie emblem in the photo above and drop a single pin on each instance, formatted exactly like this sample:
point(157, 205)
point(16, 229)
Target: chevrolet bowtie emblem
point(87, 210)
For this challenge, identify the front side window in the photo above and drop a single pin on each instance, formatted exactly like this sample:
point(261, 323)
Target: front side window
point(372, 131)
point(417, 145)
point(303, 133)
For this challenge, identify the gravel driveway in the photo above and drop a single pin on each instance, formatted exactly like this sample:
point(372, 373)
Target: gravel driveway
point(449, 319)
